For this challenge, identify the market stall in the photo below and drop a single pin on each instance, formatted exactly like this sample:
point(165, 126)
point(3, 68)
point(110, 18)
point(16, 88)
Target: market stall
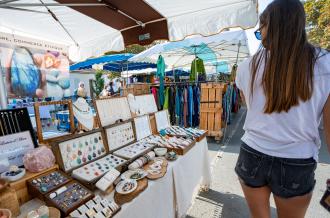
point(122, 162)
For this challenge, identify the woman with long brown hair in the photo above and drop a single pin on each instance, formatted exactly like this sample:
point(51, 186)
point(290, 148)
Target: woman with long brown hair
point(286, 87)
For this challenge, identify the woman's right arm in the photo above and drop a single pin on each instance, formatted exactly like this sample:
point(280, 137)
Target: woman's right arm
point(326, 122)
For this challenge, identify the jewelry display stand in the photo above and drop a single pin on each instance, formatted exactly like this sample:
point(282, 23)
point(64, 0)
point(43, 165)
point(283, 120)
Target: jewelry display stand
point(142, 104)
point(163, 125)
point(69, 197)
point(44, 184)
point(48, 137)
point(16, 137)
point(86, 156)
point(142, 131)
point(120, 135)
point(83, 113)
point(112, 110)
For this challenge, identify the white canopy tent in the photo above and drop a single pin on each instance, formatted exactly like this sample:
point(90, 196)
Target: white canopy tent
point(126, 74)
point(87, 37)
point(230, 47)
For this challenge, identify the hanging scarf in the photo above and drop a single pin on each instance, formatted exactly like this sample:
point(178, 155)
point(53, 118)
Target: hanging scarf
point(161, 74)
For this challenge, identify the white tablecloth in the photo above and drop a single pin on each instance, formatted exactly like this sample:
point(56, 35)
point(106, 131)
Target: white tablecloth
point(191, 172)
point(170, 196)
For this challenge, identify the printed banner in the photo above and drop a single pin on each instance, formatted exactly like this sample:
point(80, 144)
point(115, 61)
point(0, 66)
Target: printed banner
point(21, 41)
point(34, 68)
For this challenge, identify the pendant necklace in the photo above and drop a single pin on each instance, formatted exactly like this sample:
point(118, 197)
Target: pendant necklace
point(12, 121)
point(2, 133)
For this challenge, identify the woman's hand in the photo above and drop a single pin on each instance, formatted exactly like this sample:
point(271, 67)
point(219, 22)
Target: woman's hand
point(326, 122)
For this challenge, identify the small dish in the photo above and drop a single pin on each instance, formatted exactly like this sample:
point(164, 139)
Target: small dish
point(127, 186)
point(160, 151)
point(134, 174)
point(171, 156)
point(12, 176)
point(155, 166)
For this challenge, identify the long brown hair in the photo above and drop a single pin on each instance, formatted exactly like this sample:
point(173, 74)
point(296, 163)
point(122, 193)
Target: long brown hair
point(289, 58)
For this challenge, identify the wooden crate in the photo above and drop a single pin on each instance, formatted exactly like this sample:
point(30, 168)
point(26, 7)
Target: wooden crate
point(126, 91)
point(136, 89)
point(141, 89)
point(211, 109)
point(21, 188)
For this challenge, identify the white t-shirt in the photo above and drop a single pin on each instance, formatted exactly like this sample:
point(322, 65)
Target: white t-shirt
point(289, 135)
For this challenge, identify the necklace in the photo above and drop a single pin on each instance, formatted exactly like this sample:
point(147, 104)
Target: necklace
point(80, 110)
point(2, 133)
point(12, 121)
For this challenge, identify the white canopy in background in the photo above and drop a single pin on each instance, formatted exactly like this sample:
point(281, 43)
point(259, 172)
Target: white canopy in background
point(184, 18)
point(130, 73)
point(229, 46)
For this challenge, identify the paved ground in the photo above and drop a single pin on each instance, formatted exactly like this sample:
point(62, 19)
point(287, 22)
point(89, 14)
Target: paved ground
point(225, 198)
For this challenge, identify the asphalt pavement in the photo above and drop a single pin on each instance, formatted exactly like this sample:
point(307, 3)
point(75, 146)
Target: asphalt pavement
point(225, 198)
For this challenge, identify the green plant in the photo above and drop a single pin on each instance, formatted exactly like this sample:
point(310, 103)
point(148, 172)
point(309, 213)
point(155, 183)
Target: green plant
point(99, 82)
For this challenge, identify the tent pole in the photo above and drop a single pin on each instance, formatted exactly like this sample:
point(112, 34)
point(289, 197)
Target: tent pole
point(3, 97)
point(127, 73)
point(239, 46)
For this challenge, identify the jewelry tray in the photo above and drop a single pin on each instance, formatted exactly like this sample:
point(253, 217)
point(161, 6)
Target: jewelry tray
point(70, 196)
point(120, 135)
point(37, 192)
point(111, 110)
point(163, 123)
point(142, 131)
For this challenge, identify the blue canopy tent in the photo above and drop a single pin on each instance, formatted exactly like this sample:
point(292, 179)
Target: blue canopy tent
point(121, 66)
point(115, 63)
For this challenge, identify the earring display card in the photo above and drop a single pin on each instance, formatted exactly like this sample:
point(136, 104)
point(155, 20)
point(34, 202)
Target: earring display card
point(120, 135)
point(97, 208)
point(142, 104)
point(16, 137)
point(134, 150)
point(46, 183)
point(69, 197)
point(198, 134)
point(162, 120)
point(78, 151)
point(112, 109)
point(92, 171)
point(142, 127)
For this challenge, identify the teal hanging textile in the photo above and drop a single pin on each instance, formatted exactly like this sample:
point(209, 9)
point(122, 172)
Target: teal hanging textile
point(161, 74)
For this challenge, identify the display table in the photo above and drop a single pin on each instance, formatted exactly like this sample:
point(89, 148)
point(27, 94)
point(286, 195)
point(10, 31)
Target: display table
point(191, 172)
point(170, 196)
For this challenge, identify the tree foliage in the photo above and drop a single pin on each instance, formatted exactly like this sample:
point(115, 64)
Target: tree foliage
point(99, 82)
point(318, 22)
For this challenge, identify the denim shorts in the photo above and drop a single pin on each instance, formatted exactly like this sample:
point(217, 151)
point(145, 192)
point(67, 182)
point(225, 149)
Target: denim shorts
point(286, 177)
